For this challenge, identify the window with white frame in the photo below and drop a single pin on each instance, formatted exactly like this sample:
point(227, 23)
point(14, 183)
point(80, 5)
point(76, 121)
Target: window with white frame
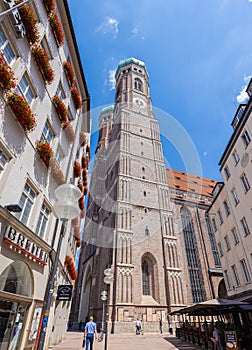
point(235, 197)
point(236, 157)
point(6, 48)
point(59, 155)
point(245, 182)
point(60, 91)
point(235, 274)
point(42, 221)
point(226, 206)
point(25, 89)
point(227, 172)
point(47, 134)
point(245, 227)
point(246, 138)
point(4, 160)
point(227, 243)
point(227, 279)
point(26, 203)
point(220, 217)
point(235, 236)
point(245, 271)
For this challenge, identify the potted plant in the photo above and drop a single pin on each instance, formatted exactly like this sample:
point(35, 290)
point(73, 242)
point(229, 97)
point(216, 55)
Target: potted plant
point(77, 169)
point(76, 97)
point(30, 22)
point(57, 28)
point(44, 151)
point(57, 172)
point(69, 73)
point(49, 5)
point(22, 111)
point(68, 128)
point(7, 78)
point(61, 108)
point(43, 63)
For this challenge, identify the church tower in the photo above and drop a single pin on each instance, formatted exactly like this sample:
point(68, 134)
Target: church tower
point(129, 225)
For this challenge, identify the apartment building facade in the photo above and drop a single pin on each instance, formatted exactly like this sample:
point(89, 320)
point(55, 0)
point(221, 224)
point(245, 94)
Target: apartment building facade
point(231, 209)
point(44, 128)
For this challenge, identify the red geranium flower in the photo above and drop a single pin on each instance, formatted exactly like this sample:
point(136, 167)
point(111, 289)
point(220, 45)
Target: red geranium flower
point(45, 151)
point(69, 73)
point(30, 22)
point(68, 128)
point(43, 63)
point(76, 98)
point(57, 28)
point(22, 111)
point(7, 78)
point(61, 108)
point(49, 5)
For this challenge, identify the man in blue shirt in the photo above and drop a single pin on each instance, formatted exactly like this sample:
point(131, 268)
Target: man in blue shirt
point(90, 333)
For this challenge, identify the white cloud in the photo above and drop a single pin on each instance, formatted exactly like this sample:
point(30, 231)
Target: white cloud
point(205, 154)
point(109, 25)
point(243, 96)
point(111, 79)
point(137, 32)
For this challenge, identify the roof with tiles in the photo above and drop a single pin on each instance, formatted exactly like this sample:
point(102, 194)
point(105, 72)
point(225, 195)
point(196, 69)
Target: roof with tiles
point(184, 182)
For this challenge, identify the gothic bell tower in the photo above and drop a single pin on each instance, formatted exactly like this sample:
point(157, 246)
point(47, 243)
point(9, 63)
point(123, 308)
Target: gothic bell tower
point(134, 232)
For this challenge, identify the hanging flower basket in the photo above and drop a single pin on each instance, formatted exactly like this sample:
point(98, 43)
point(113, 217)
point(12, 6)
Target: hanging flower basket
point(43, 63)
point(49, 5)
point(44, 151)
point(77, 169)
point(57, 28)
point(20, 107)
point(81, 187)
point(7, 78)
point(69, 73)
point(30, 22)
point(84, 162)
point(68, 128)
point(69, 263)
point(85, 191)
point(61, 108)
point(57, 172)
point(82, 139)
point(76, 97)
point(81, 203)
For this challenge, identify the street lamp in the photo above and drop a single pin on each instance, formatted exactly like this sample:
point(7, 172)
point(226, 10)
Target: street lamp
point(108, 279)
point(65, 208)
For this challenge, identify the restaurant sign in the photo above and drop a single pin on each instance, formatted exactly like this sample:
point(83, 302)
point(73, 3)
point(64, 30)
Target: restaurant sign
point(25, 245)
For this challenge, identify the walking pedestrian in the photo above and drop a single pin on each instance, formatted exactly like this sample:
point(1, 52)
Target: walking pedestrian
point(160, 326)
point(138, 326)
point(90, 333)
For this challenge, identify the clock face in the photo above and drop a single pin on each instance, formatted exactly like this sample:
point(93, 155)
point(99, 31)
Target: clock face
point(139, 102)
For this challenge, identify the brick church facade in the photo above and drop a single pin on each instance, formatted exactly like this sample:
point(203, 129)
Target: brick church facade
point(144, 221)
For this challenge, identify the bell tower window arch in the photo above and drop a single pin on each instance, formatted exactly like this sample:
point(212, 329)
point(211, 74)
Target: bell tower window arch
point(138, 84)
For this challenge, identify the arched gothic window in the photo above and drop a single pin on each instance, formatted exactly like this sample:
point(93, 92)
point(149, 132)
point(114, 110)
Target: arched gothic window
point(192, 255)
point(146, 278)
point(138, 84)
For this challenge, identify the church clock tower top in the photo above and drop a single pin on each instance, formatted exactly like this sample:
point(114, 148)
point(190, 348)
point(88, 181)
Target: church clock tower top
point(129, 61)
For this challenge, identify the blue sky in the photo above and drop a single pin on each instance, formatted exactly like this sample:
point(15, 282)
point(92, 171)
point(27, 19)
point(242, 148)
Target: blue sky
point(198, 55)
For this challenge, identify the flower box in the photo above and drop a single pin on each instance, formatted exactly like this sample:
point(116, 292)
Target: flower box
point(82, 139)
point(80, 185)
point(57, 28)
point(49, 5)
point(69, 73)
point(85, 191)
point(77, 169)
point(69, 263)
point(84, 162)
point(30, 23)
point(56, 172)
point(43, 63)
point(81, 203)
point(7, 78)
point(22, 111)
point(44, 151)
point(76, 97)
point(68, 129)
point(61, 108)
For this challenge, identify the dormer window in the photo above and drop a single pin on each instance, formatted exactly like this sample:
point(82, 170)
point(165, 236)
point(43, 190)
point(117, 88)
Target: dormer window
point(138, 84)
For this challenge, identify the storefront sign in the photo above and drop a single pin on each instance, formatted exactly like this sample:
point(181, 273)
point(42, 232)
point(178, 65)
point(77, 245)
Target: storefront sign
point(25, 245)
point(64, 292)
point(18, 24)
point(231, 340)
